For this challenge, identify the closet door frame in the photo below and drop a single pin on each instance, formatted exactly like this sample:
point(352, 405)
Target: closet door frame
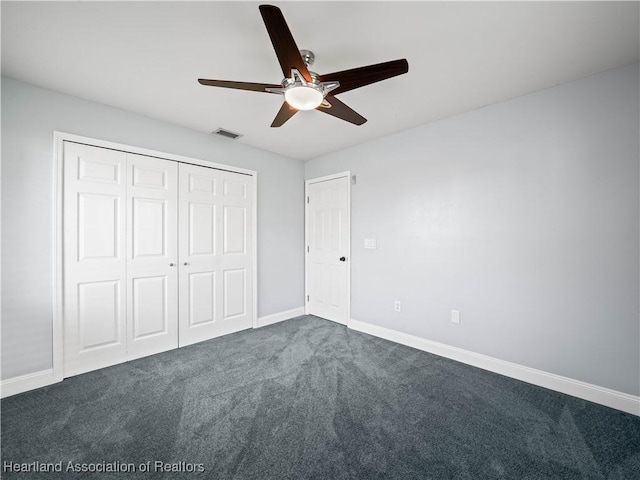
point(59, 138)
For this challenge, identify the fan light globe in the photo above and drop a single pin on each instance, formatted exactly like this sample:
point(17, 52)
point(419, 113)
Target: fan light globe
point(303, 98)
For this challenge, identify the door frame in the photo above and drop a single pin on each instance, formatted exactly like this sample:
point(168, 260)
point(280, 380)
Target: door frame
point(58, 238)
point(334, 176)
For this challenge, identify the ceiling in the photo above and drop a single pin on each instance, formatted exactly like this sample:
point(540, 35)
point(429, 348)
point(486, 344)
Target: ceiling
point(146, 57)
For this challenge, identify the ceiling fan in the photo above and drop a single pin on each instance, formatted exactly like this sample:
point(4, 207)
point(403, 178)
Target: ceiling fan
point(306, 90)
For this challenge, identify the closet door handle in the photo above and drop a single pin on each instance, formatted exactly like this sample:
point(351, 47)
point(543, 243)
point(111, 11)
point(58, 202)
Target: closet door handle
point(171, 264)
point(185, 264)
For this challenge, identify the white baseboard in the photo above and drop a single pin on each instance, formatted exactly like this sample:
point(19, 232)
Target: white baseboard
point(24, 383)
point(593, 393)
point(279, 317)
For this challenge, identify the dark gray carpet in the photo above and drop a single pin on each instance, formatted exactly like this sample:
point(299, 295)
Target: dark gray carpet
point(309, 399)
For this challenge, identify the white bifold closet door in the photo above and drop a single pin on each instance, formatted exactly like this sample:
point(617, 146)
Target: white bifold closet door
point(152, 255)
point(157, 254)
point(216, 293)
point(95, 266)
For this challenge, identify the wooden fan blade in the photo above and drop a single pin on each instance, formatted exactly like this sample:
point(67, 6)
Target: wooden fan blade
point(285, 113)
point(256, 87)
point(342, 111)
point(361, 76)
point(283, 43)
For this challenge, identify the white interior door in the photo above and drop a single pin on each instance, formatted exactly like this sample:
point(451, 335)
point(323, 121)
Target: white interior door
point(328, 230)
point(152, 251)
point(95, 258)
point(216, 272)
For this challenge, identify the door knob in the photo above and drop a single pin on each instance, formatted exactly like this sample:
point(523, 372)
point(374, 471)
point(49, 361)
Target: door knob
point(342, 259)
point(171, 264)
point(185, 264)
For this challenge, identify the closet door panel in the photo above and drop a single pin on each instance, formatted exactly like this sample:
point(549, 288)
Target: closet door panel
point(202, 229)
point(94, 223)
point(202, 298)
point(150, 312)
point(152, 271)
point(99, 314)
point(213, 289)
point(234, 293)
point(198, 241)
point(236, 259)
point(98, 226)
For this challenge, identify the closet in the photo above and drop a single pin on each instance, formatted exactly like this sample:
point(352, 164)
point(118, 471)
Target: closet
point(158, 254)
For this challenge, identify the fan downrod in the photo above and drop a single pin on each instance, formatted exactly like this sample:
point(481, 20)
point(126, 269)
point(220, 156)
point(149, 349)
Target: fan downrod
point(307, 57)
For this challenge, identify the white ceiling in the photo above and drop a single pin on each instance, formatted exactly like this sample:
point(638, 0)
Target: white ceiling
point(145, 57)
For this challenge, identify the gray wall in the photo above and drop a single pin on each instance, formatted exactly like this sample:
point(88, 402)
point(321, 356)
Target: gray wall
point(523, 215)
point(29, 117)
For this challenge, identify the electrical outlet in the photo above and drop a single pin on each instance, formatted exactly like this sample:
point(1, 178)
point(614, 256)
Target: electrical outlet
point(455, 316)
point(396, 306)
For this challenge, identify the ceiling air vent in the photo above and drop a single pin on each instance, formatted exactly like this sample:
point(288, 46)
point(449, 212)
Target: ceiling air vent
point(226, 133)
